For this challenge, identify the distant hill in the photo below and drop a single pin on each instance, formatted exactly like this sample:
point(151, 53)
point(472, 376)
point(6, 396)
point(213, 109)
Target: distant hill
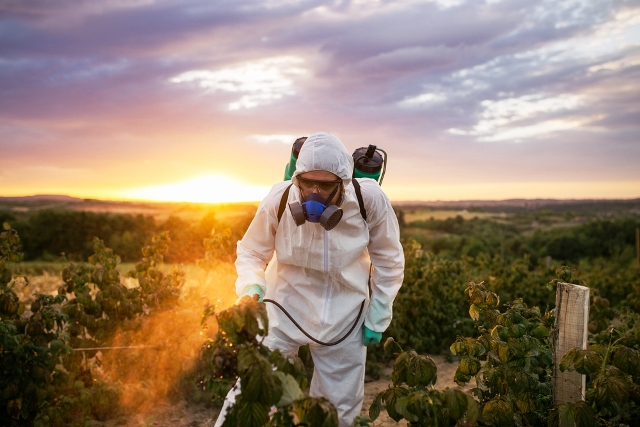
point(41, 197)
point(24, 206)
point(53, 201)
point(519, 205)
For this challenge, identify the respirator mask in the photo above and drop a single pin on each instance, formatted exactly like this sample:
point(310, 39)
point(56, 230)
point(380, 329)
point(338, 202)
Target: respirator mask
point(315, 207)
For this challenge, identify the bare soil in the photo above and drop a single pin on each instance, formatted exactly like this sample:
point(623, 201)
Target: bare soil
point(185, 415)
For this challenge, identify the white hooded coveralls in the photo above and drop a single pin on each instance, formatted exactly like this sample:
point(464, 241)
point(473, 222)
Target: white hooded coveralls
point(321, 277)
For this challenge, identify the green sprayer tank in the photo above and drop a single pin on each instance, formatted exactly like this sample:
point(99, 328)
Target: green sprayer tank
point(290, 168)
point(368, 162)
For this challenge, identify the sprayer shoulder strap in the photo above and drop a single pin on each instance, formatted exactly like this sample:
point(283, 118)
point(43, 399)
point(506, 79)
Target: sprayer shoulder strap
point(363, 211)
point(356, 186)
point(283, 202)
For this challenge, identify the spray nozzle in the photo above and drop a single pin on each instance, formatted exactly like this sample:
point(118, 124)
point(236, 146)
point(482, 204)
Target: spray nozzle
point(370, 152)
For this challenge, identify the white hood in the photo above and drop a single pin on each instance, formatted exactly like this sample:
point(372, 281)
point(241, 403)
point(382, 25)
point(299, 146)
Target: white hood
point(323, 151)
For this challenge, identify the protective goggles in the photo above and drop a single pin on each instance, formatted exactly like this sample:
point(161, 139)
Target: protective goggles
point(323, 188)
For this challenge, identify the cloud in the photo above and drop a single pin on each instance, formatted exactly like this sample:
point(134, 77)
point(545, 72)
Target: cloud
point(423, 99)
point(262, 82)
point(267, 139)
point(501, 120)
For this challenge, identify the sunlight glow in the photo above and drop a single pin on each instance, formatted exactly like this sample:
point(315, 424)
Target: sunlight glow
point(203, 189)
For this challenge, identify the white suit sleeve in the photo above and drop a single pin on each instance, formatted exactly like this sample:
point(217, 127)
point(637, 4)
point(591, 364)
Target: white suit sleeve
point(256, 248)
point(386, 256)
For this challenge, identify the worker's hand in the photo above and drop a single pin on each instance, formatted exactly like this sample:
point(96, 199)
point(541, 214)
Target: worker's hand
point(251, 291)
point(370, 337)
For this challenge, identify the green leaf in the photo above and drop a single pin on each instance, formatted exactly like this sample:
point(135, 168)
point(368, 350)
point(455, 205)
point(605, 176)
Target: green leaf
point(376, 407)
point(520, 381)
point(525, 403)
point(246, 359)
point(390, 396)
point(579, 414)
point(540, 332)
point(461, 378)
point(391, 347)
point(517, 347)
point(503, 353)
point(467, 346)
point(456, 403)
point(499, 334)
point(498, 412)
point(257, 378)
point(588, 362)
point(492, 299)
point(457, 348)
point(472, 411)
point(517, 330)
point(291, 365)
point(247, 414)
point(469, 365)
point(611, 387)
point(360, 421)
point(316, 412)
point(474, 312)
point(412, 407)
point(399, 374)
point(627, 360)
point(492, 316)
point(262, 386)
point(477, 349)
point(57, 346)
point(290, 389)
point(414, 369)
point(569, 358)
point(585, 415)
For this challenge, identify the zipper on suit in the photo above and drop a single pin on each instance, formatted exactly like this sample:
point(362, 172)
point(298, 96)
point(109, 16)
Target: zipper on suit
point(326, 270)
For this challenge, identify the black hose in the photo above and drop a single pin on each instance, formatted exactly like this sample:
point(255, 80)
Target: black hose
point(328, 344)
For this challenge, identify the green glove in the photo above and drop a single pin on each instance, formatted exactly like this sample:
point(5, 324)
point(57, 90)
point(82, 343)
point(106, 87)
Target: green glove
point(370, 337)
point(251, 291)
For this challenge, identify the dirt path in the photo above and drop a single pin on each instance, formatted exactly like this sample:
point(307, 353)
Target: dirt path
point(184, 415)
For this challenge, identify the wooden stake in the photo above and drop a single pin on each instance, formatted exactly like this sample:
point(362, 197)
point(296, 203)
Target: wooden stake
point(572, 320)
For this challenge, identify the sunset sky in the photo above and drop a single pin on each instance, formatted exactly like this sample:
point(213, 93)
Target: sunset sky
point(201, 100)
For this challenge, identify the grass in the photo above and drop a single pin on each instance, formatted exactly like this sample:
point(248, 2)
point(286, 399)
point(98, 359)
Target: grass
point(425, 214)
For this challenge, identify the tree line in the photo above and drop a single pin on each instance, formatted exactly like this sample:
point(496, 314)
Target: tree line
point(48, 234)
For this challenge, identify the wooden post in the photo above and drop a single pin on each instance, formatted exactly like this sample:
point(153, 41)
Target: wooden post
point(572, 320)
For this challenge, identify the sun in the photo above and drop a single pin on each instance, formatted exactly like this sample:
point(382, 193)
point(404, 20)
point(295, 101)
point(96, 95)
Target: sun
point(203, 189)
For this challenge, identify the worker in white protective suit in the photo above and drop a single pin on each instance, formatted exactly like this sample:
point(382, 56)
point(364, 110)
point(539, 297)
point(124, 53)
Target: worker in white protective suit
point(321, 277)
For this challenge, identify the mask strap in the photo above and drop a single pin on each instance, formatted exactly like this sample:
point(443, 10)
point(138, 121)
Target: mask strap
point(333, 193)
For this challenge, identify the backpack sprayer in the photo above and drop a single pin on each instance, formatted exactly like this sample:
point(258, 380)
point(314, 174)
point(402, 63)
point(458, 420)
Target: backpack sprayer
point(368, 162)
